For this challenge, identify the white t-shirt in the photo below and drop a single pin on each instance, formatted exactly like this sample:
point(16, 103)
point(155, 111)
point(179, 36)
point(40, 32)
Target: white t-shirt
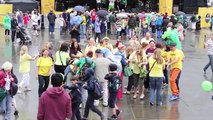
point(112, 2)
point(61, 21)
point(98, 1)
point(34, 19)
point(209, 45)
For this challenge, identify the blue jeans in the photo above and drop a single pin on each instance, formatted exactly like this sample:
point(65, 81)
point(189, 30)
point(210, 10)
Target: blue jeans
point(155, 85)
point(6, 107)
point(51, 27)
point(82, 30)
point(43, 84)
point(210, 63)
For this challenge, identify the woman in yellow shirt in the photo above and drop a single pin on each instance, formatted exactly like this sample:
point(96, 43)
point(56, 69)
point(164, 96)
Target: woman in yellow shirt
point(156, 66)
point(44, 67)
point(90, 47)
point(24, 68)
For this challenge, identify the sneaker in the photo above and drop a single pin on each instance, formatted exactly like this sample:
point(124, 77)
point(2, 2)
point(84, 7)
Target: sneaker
point(135, 96)
point(151, 103)
point(113, 117)
point(19, 92)
point(127, 92)
point(173, 98)
point(159, 104)
point(16, 112)
point(27, 89)
point(118, 112)
point(142, 96)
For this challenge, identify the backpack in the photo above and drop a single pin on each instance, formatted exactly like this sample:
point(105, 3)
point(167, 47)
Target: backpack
point(116, 84)
point(75, 96)
point(98, 90)
point(85, 66)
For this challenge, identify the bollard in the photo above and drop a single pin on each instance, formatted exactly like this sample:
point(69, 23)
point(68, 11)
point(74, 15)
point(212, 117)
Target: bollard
point(42, 22)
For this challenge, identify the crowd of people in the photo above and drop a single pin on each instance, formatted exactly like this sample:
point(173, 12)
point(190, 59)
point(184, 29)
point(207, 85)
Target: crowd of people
point(100, 68)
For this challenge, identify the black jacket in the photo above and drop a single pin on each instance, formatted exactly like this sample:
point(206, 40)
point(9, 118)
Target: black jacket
point(14, 24)
point(51, 17)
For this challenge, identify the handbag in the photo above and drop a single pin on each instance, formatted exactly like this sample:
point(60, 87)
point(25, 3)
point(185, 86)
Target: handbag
point(127, 71)
point(143, 73)
point(3, 94)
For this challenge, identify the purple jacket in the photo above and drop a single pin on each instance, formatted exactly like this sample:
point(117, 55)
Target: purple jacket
point(97, 26)
point(54, 104)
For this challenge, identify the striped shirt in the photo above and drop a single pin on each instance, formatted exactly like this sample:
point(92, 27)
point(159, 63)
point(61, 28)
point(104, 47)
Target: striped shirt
point(209, 45)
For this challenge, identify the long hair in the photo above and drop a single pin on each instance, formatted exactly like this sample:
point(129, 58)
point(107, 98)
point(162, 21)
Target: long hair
point(157, 56)
point(24, 50)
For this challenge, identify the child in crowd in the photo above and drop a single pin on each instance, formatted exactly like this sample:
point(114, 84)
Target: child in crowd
point(112, 76)
point(24, 68)
point(76, 96)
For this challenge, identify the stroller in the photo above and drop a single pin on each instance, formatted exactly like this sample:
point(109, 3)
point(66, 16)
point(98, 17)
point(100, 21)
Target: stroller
point(24, 36)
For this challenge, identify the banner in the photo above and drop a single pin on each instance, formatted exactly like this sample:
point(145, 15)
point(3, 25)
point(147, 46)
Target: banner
point(205, 13)
point(4, 9)
point(47, 5)
point(166, 6)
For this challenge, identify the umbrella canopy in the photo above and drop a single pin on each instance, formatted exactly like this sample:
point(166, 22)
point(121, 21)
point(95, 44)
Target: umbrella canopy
point(122, 15)
point(102, 13)
point(179, 13)
point(69, 10)
point(76, 20)
point(141, 15)
point(79, 8)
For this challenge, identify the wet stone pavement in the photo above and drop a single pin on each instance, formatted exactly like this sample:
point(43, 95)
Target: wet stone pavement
point(194, 104)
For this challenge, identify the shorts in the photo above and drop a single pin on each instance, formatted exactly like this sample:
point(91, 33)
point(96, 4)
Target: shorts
point(34, 27)
point(112, 99)
point(111, 7)
point(137, 80)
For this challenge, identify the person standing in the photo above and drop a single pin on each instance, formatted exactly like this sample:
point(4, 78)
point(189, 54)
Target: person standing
point(209, 46)
point(62, 24)
point(51, 18)
point(101, 69)
point(7, 25)
point(26, 20)
point(44, 66)
point(34, 19)
point(24, 68)
point(111, 5)
point(98, 4)
point(14, 27)
point(156, 76)
point(20, 19)
point(175, 62)
point(97, 30)
point(55, 103)
point(6, 81)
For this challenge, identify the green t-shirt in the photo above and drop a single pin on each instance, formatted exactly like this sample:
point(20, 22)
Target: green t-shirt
point(81, 63)
point(64, 56)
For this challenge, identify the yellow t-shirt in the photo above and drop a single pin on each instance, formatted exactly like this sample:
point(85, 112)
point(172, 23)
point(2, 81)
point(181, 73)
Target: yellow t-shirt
point(24, 62)
point(173, 55)
point(93, 49)
point(157, 70)
point(165, 55)
point(84, 20)
point(44, 64)
point(109, 46)
point(135, 66)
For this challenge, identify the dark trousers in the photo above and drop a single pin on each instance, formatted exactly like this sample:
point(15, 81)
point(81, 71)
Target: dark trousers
point(13, 35)
point(130, 83)
point(43, 84)
point(76, 111)
point(90, 105)
point(7, 32)
point(98, 35)
point(60, 68)
point(165, 72)
point(51, 27)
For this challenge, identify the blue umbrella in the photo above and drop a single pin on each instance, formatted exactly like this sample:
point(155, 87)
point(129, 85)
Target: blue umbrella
point(76, 20)
point(79, 8)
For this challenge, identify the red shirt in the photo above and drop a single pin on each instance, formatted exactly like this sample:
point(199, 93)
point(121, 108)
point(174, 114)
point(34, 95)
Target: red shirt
point(26, 19)
point(93, 14)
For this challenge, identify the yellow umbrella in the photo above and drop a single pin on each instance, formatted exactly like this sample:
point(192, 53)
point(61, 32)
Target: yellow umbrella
point(69, 10)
